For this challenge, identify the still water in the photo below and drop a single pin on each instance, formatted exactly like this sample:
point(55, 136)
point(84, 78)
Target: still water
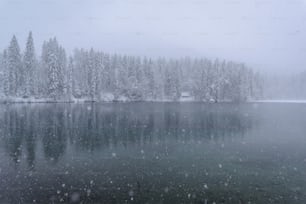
point(153, 153)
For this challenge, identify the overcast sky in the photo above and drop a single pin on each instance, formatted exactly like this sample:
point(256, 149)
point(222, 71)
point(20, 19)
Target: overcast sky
point(266, 34)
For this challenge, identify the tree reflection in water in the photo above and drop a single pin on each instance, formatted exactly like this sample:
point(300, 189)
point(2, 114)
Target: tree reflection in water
point(90, 127)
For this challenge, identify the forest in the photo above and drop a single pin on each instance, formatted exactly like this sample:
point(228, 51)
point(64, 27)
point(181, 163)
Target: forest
point(91, 75)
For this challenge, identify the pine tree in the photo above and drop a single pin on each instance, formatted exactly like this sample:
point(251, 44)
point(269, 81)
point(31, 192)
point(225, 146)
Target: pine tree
point(5, 74)
point(14, 66)
point(52, 55)
point(29, 63)
point(70, 81)
point(167, 83)
point(90, 73)
point(106, 79)
point(149, 79)
point(61, 70)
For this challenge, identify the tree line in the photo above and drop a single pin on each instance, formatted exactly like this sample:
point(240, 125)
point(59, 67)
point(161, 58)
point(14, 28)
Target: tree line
point(99, 76)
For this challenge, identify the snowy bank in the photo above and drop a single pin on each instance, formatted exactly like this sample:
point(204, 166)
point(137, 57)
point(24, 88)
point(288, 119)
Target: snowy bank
point(32, 100)
point(111, 98)
point(277, 101)
point(108, 99)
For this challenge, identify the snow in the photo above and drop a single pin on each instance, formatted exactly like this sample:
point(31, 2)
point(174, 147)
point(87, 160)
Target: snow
point(277, 101)
point(89, 76)
point(80, 100)
point(185, 97)
point(107, 97)
point(42, 100)
point(185, 94)
point(122, 99)
point(27, 100)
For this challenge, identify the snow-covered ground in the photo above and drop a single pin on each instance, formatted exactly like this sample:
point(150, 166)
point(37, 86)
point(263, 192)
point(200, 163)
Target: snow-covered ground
point(42, 100)
point(278, 101)
point(87, 100)
point(110, 98)
point(32, 100)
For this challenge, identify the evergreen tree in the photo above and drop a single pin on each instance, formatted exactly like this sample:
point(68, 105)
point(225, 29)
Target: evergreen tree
point(54, 60)
point(62, 70)
point(5, 74)
point(70, 81)
point(90, 73)
point(14, 66)
point(29, 66)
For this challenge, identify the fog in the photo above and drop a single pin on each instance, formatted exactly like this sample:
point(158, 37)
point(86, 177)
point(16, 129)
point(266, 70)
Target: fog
point(153, 101)
point(267, 35)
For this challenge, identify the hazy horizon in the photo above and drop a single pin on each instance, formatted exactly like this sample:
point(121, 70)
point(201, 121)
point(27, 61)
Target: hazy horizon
point(266, 35)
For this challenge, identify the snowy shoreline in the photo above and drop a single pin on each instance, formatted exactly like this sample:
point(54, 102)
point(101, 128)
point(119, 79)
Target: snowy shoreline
point(277, 101)
point(86, 100)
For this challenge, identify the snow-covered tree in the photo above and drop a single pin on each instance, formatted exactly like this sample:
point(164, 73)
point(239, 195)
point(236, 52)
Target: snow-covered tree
point(4, 74)
point(89, 74)
point(92, 75)
point(69, 79)
point(54, 61)
point(29, 67)
point(14, 66)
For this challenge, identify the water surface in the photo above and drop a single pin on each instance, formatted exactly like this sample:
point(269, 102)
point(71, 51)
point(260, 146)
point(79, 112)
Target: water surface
point(153, 153)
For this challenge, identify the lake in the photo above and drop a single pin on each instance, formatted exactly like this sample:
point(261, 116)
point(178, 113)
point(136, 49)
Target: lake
point(153, 153)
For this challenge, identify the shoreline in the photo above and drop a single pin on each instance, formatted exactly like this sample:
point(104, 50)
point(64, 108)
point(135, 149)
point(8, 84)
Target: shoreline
point(76, 101)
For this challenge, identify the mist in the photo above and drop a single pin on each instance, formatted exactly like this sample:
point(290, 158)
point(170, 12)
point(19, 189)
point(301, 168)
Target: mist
point(142, 101)
point(267, 35)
